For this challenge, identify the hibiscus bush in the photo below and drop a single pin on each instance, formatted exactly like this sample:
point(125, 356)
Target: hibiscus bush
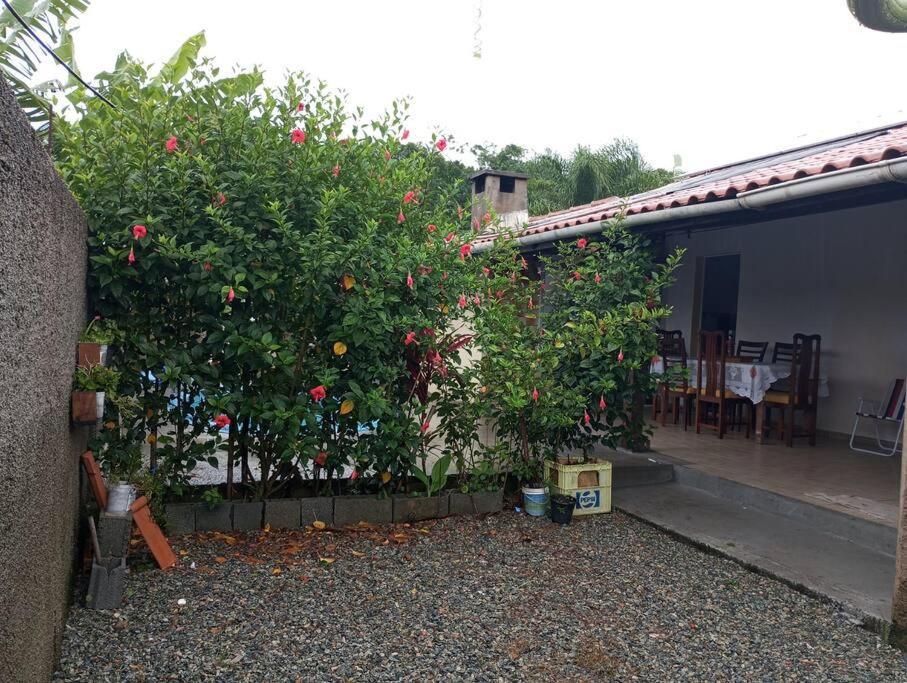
point(287, 294)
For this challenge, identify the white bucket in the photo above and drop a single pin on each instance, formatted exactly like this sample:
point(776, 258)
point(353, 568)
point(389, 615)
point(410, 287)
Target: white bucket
point(99, 406)
point(119, 498)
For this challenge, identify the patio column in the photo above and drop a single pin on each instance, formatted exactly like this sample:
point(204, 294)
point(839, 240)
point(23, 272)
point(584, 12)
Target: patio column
point(899, 601)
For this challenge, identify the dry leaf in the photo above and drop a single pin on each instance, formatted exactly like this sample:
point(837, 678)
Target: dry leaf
point(356, 553)
point(347, 406)
point(385, 477)
point(348, 282)
point(319, 525)
point(220, 559)
point(277, 571)
point(183, 553)
point(327, 560)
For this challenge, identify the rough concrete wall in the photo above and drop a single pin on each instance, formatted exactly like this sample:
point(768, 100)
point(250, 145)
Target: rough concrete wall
point(42, 311)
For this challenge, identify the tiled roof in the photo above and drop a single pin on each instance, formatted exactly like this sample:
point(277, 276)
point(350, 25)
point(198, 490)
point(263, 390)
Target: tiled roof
point(726, 182)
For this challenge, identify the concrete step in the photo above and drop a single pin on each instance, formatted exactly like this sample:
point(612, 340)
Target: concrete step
point(634, 469)
point(795, 548)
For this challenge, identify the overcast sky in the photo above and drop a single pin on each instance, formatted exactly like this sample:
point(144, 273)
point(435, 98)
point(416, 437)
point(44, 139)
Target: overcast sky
point(712, 80)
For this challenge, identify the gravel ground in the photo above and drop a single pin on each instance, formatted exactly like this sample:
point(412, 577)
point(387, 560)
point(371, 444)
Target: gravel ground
point(502, 598)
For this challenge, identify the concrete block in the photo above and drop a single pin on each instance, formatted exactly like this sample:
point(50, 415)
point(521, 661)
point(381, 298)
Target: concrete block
point(317, 509)
point(113, 534)
point(105, 587)
point(282, 514)
point(479, 503)
point(217, 518)
point(461, 504)
point(179, 518)
point(416, 509)
point(350, 510)
point(247, 515)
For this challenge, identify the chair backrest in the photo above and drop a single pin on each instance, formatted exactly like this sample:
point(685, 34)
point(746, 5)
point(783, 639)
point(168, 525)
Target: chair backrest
point(752, 350)
point(893, 408)
point(783, 352)
point(712, 357)
point(673, 350)
point(804, 386)
point(729, 341)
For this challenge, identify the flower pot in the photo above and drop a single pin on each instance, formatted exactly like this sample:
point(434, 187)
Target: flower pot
point(562, 508)
point(119, 498)
point(99, 405)
point(91, 354)
point(85, 407)
point(535, 500)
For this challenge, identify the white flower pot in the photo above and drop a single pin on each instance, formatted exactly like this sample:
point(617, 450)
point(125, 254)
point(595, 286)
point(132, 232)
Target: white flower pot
point(99, 398)
point(119, 498)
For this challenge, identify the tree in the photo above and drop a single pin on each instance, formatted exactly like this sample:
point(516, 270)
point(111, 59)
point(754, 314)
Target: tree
point(20, 53)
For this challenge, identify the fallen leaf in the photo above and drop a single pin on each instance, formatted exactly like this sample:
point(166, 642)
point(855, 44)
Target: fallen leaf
point(267, 528)
point(183, 553)
point(220, 559)
point(277, 571)
point(348, 281)
point(356, 553)
point(319, 525)
point(327, 560)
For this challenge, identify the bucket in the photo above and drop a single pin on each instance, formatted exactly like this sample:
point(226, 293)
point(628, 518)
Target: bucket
point(535, 500)
point(562, 508)
point(120, 498)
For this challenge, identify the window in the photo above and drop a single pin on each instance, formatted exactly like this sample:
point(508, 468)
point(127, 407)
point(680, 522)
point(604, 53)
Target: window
point(508, 184)
point(480, 185)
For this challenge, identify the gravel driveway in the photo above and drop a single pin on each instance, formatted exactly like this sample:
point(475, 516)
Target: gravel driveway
point(503, 598)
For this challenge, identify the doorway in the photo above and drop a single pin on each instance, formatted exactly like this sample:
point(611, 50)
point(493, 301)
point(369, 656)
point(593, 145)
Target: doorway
point(718, 294)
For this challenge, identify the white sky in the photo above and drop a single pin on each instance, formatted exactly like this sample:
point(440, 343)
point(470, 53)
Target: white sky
point(712, 80)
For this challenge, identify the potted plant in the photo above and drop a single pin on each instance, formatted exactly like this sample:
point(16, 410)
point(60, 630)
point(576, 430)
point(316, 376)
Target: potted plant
point(95, 340)
point(118, 450)
point(90, 385)
point(562, 508)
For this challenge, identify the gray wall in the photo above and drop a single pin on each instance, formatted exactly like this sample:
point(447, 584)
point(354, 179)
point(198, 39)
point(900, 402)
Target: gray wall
point(839, 274)
point(42, 312)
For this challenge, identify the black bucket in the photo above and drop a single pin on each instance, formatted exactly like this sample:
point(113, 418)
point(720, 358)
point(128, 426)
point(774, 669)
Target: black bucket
point(562, 509)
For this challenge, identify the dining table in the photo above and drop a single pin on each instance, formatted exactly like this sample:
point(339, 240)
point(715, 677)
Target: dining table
point(748, 379)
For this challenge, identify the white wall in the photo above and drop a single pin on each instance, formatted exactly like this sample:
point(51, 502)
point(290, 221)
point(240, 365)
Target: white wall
point(839, 274)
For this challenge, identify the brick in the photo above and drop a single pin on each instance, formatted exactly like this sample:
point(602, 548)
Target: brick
point(416, 509)
point(350, 510)
point(179, 518)
point(282, 514)
point(317, 509)
point(218, 518)
point(247, 516)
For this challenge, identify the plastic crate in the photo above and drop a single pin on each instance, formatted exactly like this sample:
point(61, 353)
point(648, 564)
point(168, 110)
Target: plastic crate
point(588, 483)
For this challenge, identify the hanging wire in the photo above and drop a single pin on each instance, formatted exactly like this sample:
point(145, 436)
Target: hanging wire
point(37, 38)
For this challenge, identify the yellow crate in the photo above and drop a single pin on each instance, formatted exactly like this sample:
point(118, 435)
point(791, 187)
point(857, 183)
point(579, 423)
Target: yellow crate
point(588, 483)
point(594, 474)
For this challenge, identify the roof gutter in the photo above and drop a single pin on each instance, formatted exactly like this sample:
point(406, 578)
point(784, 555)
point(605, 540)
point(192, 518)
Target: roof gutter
point(888, 171)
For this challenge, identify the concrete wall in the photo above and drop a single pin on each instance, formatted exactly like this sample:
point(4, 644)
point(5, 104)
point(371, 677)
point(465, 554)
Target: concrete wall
point(512, 208)
point(42, 312)
point(839, 274)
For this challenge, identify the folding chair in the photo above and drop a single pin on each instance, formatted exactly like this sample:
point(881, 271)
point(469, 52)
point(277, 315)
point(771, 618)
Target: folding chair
point(890, 412)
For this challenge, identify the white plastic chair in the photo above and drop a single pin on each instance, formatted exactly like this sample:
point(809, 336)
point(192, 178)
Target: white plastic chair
point(891, 412)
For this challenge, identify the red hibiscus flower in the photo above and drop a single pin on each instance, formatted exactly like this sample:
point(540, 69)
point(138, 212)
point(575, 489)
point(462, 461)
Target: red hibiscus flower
point(297, 136)
point(475, 224)
point(432, 227)
point(400, 218)
point(486, 219)
point(139, 231)
point(577, 276)
point(424, 427)
point(462, 301)
point(586, 418)
point(354, 475)
point(535, 394)
point(465, 250)
point(405, 135)
point(408, 197)
point(387, 155)
point(487, 271)
point(476, 300)
point(321, 459)
point(409, 280)
point(335, 171)
point(581, 243)
point(620, 356)
point(601, 403)
point(598, 278)
point(318, 393)
point(410, 339)
point(441, 144)
point(221, 199)
point(531, 304)
point(207, 266)
point(231, 295)
point(300, 106)
point(450, 237)
point(172, 144)
point(131, 258)
point(221, 421)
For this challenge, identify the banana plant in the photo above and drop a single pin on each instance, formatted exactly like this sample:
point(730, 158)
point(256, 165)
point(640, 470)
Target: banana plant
point(435, 482)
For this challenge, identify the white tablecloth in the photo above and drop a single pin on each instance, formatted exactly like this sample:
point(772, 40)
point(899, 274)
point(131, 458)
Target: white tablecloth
point(750, 380)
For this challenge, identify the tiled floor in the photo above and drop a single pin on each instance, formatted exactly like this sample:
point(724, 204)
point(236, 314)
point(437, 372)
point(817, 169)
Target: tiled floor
point(828, 474)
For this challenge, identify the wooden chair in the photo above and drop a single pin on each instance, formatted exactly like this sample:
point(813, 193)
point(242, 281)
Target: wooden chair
point(802, 394)
point(782, 353)
point(668, 341)
point(752, 350)
point(710, 379)
point(673, 392)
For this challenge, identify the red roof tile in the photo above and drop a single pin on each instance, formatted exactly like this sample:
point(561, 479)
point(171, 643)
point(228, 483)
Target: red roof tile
point(725, 182)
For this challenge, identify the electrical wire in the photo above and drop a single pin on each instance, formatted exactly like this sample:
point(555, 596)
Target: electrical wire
point(31, 32)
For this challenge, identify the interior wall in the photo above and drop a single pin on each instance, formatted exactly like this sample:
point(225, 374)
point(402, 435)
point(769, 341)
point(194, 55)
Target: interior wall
point(42, 311)
point(839, 274)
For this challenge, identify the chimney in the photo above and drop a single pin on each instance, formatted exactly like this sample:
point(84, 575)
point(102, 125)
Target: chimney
point(503, 193)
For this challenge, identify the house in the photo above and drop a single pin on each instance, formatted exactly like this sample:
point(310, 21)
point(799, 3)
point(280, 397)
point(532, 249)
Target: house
point(808, 240)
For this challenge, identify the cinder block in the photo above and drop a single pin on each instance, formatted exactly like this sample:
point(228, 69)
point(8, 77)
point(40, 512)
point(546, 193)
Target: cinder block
point(479, 503)
point(319, 509)
point(179, 518)
point(217, 518)
point(113, 534)
point(410, 509)
point(350, 510)
point(247, 516)
point(282, 514)
point(105, 587)
point(461, 504)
